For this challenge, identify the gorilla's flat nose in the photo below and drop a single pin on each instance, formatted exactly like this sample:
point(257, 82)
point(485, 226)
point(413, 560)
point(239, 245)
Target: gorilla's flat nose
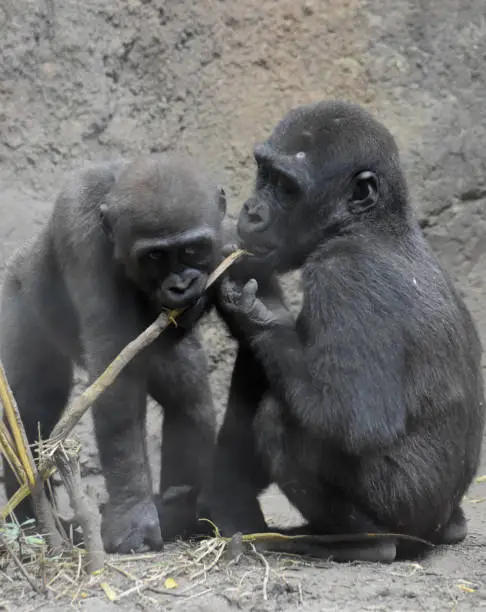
point(255, 216)
point(184, 282)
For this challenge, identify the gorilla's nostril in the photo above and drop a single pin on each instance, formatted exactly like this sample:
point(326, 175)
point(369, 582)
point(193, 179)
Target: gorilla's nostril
point(254, 217)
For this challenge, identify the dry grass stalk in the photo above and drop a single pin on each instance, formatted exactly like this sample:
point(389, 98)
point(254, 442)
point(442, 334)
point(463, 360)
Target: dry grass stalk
point(14, 446)
point(267, 571)
point(18, 440)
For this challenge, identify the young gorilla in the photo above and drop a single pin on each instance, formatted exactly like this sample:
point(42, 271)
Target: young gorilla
point(124, 241)
point(373, 409)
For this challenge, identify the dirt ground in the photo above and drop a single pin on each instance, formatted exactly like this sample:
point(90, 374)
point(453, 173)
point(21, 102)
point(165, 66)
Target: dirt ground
point(95, 80)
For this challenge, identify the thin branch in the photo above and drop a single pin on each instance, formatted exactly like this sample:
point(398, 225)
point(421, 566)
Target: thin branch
point(81, 404)
point(85, 513)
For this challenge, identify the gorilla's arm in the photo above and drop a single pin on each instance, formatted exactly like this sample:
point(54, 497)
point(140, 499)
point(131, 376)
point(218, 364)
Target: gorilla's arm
point(108, 323)
point(348, 405)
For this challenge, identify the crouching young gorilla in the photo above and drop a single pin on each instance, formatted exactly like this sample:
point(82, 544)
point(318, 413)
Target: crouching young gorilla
point(368, 410)
point(124, 241)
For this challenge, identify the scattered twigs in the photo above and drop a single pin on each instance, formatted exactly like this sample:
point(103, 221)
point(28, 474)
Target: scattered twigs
point(184, 572)
point(267, 571)
point(18, 563)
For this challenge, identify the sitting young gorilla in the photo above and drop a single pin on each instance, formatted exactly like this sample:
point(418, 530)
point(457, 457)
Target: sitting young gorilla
point(368, 410)
point(125, 240)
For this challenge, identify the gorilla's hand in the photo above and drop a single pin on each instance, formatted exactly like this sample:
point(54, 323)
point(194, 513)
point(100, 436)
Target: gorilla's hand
point(131, 527)
point(242, 304)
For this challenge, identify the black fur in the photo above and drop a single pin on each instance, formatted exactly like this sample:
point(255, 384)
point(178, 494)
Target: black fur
point(368, 410)
point(124, 240)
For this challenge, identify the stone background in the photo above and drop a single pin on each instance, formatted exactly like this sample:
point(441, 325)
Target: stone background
point(93, 80)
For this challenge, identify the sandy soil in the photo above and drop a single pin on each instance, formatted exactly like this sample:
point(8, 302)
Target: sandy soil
point(93, 80)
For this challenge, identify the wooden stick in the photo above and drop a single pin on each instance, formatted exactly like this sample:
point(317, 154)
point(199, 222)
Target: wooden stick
point(81, 404)
point(85, 512)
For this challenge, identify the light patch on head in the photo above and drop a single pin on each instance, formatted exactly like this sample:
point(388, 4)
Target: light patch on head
point(300, 155)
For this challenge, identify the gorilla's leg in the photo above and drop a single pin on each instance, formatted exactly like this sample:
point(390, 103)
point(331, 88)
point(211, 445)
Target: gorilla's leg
point(294, 461)
point(178, 381)
point(230, 498)
point(40, 377)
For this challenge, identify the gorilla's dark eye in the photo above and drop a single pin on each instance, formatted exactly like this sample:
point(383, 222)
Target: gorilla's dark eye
point(287, 190)
point(286, 185)
point(155, 255)
point(197, 250)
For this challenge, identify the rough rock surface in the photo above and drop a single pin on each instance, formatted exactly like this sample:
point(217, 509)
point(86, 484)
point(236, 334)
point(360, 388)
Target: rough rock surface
point(94, 80)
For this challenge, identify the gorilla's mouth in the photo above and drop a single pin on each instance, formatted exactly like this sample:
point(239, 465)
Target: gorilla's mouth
point(260, 250)
point(261, 254)
point(256, 249)
point(169, 303)
point(171, 299)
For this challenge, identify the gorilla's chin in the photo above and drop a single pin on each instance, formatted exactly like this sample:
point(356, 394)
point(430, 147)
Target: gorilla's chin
point(165, 302)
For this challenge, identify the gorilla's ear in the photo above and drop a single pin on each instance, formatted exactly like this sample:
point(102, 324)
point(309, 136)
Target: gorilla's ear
point(105, 221)
point(222, 202)
point(365, 192)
